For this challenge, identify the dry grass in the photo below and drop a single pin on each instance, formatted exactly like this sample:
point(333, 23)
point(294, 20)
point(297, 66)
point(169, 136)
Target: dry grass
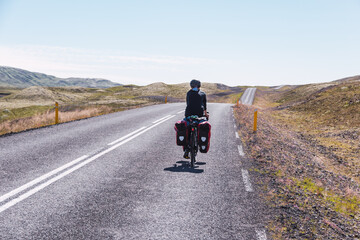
point(81, 114)
point(307, 152)
point(307, 200)
point(48, 118)
point(329, 118)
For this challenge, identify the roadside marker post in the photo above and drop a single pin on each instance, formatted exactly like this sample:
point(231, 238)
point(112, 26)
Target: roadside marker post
point(56, 112)
point(165, 99)
point(255, 120)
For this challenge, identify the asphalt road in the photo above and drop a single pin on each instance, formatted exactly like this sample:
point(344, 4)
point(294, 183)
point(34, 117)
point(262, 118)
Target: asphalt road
point(121, 176)
point(248, 97)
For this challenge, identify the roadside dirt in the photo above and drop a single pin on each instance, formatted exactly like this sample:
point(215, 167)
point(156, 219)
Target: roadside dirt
point(311, 191)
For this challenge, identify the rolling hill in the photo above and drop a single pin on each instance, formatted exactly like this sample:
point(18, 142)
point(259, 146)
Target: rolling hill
point(306, 151)
point(19, 78)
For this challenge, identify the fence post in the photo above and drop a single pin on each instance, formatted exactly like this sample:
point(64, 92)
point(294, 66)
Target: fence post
point(255, 120)
point(56, 112)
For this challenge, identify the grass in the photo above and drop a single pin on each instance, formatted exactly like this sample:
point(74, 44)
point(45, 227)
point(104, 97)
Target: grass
point(48, 118)
point(330, 118)
point(334, 105)
point(7, 114)
point(348, 204)
point(232, 98)
point(306, 153)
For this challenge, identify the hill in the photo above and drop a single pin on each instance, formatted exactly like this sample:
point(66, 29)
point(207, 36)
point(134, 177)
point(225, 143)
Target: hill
point(19, 107)
point(19, 78)
point(306, 151)
point(177, 92)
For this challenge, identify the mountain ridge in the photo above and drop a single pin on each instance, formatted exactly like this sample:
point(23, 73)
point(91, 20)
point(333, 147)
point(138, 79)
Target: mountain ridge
point(20, 78)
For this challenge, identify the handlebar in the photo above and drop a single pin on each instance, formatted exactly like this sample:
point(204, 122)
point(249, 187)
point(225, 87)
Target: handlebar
point(195, 117)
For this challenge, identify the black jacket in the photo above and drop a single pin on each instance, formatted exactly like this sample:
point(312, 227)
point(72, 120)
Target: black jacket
point(195, 103)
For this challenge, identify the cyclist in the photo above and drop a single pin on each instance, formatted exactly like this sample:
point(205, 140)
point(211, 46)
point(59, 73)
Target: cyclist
point(195, 105)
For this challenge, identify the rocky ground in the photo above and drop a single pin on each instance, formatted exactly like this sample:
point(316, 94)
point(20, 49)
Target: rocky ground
point(311, 188)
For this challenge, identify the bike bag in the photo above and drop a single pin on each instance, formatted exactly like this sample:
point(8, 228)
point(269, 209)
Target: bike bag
point(181, 133)
point(204, 134)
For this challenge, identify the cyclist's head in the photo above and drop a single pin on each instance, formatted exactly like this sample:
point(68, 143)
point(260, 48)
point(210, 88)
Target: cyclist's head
point(195, 83)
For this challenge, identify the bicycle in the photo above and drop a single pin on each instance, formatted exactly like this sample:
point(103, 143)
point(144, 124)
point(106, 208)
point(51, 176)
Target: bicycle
point(193, 144)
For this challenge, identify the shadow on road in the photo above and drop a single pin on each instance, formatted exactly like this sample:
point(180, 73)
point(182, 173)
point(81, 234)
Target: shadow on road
point(188, 162)
point(184, 166)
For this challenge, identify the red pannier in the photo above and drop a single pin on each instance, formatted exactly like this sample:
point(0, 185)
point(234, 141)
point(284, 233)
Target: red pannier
point(181, 133)
point(204, 135)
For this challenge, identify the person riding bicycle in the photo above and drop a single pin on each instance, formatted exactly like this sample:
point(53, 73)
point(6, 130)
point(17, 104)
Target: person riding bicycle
point(195, 100)
point(195, 105)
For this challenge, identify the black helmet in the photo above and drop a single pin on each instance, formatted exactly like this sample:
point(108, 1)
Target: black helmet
point(195, 83)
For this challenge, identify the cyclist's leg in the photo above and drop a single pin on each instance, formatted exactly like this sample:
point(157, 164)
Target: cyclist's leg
point(186, 150)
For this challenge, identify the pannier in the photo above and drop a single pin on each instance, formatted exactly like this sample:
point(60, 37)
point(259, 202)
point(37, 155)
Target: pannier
point(204, 135)
point(181, 133)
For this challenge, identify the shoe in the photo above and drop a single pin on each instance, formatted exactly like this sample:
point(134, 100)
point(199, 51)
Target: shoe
point(186, 154)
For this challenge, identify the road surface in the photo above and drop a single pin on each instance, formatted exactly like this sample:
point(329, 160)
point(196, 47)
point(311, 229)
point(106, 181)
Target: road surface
point(121, 176)
point(248, 96)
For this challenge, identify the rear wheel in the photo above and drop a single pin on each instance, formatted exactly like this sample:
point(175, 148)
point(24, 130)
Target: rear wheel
point(193, 148)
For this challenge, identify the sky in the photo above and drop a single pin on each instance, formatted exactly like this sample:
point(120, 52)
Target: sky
point(234, 42)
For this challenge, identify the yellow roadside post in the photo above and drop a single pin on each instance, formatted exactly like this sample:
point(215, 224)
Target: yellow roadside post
point(56, 112)
point(255, 120)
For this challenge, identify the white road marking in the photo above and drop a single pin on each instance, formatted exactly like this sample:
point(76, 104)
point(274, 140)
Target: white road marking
point(138, 134)
point(161, 119)
point(234, 125)
point(122, 138)
point(236, 134)
point(246, 180)
point(70, 170)
point(39, 179)
point(261, 235)
point(241, 151)
point(180, 111)
point(43, 185)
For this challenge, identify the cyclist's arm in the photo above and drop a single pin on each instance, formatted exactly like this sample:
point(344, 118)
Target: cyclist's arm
point(204, 103)
point(205, 107)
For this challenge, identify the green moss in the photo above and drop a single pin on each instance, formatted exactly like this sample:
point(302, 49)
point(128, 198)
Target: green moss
point(23, 112)
point(343, 204)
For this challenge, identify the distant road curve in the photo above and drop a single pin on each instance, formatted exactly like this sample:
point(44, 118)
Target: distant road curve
point(278, 87)
point(248, 97)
